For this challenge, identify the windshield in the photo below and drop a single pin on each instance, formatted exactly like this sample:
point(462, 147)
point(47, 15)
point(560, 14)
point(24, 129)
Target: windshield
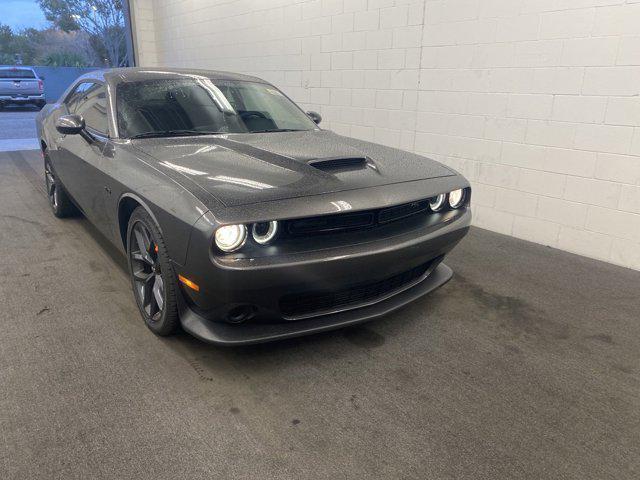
point(17, 73)
point(198, 105)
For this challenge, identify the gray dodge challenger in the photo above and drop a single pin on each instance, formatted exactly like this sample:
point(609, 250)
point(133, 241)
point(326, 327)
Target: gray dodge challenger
point(241, 219)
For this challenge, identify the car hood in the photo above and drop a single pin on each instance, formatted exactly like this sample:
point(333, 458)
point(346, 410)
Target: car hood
point(242, 169)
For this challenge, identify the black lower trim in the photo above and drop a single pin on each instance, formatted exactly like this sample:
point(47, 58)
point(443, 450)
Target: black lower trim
point(244, 334)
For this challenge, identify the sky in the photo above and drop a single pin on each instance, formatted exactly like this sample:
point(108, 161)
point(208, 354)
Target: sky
point(19, 14)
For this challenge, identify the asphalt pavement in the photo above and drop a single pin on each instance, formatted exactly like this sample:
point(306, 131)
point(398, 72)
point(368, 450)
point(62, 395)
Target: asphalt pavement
point(18, 128)
point(525, 366)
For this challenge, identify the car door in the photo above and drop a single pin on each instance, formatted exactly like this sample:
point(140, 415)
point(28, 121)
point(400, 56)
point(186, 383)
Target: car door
point(79, 162)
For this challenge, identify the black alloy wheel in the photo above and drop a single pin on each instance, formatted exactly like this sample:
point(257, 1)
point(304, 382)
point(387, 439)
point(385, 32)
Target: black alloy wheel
point(60, 203)
point(152, 277)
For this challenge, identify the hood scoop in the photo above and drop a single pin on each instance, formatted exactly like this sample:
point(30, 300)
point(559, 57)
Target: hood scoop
point(340, 164)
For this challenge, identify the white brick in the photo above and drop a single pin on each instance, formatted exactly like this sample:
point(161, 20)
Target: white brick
point(557, 81)
point(355, 6)
point(542, 183)
point(493, 55)
point(626, 253)
point(394, 17)
point(603, 138)
point(614, 222)
point(363, 98)
point(507, 129)
point(488, 104)
point(391, 59)
point(530, 106)
point(320, 61)
point(443, 11)
point(356, 41)
point(458, 56)
point(629, 53)
point(389, 99)
point(340, 96)
point(571, 108)
point(319, 95)
point(341, 60)
point(536, 230)
point(538, 53)
point(342, 23)
point(331, 7)
point(331, 43)
point(623, 111)
point(499, 8)
point(590, 51)
point(433, 122)
point(516, 202)
point(583, 242)
point(617, 20)
point(407, 37)
point(569, 162)
point(365, 59)
point(501, 222)
point(369, 20)
point(611, 81)
point(379, 39)
point(466, 125)
point(635, 142)
point(523, 27)
point(562, 212)
point(567, 24)
point(618, 168)
point(483, 195)
point(592, 192)
point(555, 134)
point(630, 200)
point(499, 175)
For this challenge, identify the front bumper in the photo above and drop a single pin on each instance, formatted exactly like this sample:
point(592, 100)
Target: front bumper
point(226, 334)
point(22, 98)
point(263, 283)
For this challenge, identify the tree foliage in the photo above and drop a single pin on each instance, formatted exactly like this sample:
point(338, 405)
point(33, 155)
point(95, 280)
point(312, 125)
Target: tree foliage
point(102, 20)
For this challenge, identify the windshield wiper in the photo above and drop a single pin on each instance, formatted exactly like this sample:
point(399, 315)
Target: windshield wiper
point(278, 130)
point(172, 133)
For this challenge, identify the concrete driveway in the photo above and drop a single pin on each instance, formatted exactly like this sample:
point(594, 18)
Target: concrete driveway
point(526, 365)
point(18, 128)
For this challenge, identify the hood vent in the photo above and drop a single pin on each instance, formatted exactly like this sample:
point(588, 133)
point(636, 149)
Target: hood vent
point(339, 163)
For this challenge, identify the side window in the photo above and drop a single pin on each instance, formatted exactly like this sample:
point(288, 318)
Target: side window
point(93, 107)
point(76, 95)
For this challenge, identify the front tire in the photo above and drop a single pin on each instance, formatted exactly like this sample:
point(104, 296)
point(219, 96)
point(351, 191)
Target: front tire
point(61, 204)
point(152, 277)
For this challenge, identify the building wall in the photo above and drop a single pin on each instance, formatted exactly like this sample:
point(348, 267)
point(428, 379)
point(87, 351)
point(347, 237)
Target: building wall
point(535, 101)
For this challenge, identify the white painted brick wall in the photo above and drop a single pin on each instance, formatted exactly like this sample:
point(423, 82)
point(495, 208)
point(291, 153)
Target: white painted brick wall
point(535, 101)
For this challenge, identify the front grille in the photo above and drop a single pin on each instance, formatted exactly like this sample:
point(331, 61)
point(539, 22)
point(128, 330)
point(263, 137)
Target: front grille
point(343, 222)
point(309, 303)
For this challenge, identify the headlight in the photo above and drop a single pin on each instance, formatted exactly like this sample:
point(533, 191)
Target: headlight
point(264, 232)
point(231, 237)
point(436, 203)
point(456, 198)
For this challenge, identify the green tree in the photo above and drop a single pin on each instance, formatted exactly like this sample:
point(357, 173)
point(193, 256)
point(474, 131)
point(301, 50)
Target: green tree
point(24, 43)
point(103, 20)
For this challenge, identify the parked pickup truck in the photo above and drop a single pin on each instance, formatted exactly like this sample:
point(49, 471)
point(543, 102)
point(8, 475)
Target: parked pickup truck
point(21, 85)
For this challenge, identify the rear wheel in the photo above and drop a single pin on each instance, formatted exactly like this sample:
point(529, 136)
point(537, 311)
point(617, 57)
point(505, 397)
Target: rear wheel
point(59, 201)
point(152, 277)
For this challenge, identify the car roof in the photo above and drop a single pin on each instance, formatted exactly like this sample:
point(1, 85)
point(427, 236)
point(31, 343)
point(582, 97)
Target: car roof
point(137, 74)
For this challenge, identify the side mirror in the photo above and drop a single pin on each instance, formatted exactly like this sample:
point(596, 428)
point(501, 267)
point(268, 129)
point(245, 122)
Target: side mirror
point(41, 77)
point(315, 116)
point(70, 124)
